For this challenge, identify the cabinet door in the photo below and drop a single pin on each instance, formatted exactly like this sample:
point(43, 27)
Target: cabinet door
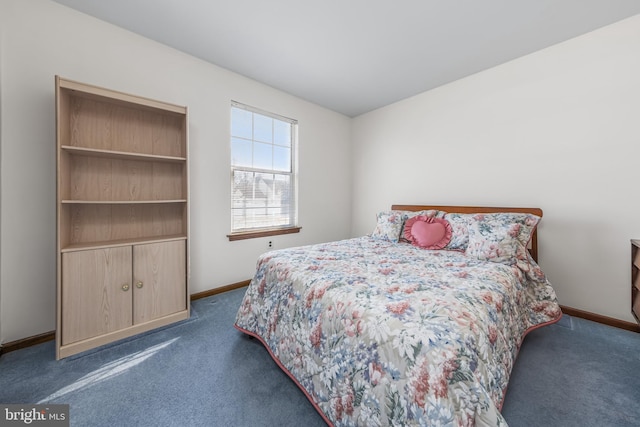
point(159, 277)
point(96, 292)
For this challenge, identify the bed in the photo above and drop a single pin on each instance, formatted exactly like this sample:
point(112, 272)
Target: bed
point(410, 325)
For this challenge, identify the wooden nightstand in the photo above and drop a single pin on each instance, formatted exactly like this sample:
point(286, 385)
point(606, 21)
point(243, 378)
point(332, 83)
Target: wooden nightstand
point(635, 279)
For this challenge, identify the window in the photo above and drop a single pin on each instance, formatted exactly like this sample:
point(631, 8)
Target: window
point(263, 173)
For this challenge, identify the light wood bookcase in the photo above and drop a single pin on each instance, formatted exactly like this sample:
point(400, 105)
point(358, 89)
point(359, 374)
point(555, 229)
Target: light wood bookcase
point(122, 215)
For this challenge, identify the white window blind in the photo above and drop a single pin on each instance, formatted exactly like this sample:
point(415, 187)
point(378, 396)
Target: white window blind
point(263, 172)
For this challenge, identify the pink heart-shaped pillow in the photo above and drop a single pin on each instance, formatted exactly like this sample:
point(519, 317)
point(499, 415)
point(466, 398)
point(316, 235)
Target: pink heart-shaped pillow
point(428, 232)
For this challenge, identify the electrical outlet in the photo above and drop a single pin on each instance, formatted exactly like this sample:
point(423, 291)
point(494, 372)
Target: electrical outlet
point(270, 244)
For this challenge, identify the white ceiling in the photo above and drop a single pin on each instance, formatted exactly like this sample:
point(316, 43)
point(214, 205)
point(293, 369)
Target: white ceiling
point(353, 56)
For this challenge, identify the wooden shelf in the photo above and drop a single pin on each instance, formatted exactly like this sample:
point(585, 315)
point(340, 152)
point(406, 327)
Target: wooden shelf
point(83, 90)
point(121, 242)
point(121, 202)
point(124, 155)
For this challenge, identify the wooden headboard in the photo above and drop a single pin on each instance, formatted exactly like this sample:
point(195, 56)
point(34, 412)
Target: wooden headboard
point(533, 246)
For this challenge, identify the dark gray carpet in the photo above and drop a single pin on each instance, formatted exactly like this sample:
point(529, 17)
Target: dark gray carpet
point(576, 373)
point(203, 372)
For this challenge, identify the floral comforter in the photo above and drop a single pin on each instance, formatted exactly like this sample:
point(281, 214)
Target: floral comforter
point(378, 333)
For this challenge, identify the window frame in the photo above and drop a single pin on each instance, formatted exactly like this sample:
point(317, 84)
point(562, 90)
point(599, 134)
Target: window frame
point(256, 232)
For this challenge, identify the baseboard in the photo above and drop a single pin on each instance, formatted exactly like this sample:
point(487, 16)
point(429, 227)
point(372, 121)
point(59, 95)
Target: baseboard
point(617, 323)
point(220, 290)
point(27, 342)
point(50, 336)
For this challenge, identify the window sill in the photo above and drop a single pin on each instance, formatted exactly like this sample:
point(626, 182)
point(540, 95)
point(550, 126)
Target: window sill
point(262, 233)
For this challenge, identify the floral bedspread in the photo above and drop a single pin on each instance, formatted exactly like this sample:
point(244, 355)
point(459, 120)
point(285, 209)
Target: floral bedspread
point(378, 333)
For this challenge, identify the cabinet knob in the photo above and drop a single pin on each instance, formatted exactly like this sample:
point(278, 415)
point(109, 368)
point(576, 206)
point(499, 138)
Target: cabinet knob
point(125, 287)
point(139, 284)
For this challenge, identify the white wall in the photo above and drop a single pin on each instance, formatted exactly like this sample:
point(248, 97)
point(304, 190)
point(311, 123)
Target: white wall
point(39, 39)
point(558, 129)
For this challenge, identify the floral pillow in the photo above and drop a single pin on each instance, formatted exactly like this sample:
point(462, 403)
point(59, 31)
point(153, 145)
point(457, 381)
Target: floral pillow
point(500, 237)
point(388, 225)
point(459, 231)
point(427, 232)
